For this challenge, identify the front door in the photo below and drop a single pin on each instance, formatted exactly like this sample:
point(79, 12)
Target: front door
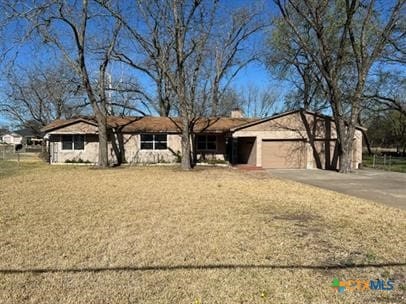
point(54, 151)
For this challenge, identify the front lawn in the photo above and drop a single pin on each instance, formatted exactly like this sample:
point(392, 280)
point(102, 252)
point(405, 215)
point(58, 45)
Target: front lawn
point(160, 235)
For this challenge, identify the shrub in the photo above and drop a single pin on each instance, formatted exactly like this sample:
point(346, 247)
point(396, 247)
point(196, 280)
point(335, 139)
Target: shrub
point(212, 161)
point(178, 157)
point(77, 161)
point(216, 161)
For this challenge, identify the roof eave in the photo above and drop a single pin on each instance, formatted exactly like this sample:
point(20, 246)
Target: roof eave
point(259, 121)
point(67, 123)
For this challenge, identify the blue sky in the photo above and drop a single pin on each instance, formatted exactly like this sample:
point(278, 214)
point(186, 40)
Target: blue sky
point(255, 74)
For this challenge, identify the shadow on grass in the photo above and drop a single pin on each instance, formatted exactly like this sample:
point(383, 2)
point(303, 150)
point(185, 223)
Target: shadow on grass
point(198, 267)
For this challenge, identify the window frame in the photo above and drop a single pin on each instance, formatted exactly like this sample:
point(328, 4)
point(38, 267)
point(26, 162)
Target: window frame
point(206, 142)
point(72, 141)
point(75, 140)
point(154, 141)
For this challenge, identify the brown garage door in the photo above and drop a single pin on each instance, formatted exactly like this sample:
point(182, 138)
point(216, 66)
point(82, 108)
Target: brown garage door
point(283, 154)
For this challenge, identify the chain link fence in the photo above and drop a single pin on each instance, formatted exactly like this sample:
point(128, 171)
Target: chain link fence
point(12, 160)
point(385, 162)
point(10, 153)
point(7, 152)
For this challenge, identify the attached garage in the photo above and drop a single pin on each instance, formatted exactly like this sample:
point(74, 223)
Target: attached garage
point(283, 154)
point(293, 140)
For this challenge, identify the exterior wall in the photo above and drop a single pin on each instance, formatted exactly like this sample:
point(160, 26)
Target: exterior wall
point(134, 154)
point(89, 153)
point(283, 123)
point(290, 127)
point(357, 150)
point(132, 149)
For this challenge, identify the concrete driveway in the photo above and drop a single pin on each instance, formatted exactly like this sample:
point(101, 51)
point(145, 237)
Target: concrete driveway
point(381, 186)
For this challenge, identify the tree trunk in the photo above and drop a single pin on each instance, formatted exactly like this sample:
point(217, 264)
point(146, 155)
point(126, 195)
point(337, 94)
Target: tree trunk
point(349, 132)
point(164, 107)
point(345, 159)
point(367, 143)
point(345, 129)
point(117, 143)
point(306, 90)
point(103, 142)
point(186, 163)
point(214, 98)
point(164, 99)
point(334, 161)
point(346, 136)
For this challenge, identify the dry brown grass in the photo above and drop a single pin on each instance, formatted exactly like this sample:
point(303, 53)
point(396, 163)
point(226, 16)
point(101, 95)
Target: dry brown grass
point(160, 235)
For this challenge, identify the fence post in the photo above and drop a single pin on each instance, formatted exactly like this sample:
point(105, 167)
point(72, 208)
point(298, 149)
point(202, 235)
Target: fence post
point(390, 162)
point(373, 161)
point(384, 161)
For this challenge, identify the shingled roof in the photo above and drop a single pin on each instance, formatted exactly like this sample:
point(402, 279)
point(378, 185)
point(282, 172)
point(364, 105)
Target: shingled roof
point(151, 124)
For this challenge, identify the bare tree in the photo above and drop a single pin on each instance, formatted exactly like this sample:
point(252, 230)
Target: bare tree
point(147, 48)
point(287, 61)
point(173, 41)
point(227, 48)
point(68, 27)
point(41, 95)
point(347, 38)
point(258, 102)
point(232, 49)
point(387, 91)
point(387, 129)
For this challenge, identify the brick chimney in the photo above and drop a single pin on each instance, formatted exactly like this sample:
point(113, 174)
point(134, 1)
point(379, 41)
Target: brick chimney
point(236, 113)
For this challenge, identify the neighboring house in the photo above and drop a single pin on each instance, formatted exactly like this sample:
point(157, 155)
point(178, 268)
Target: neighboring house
point(29, 137)
point(295, 139)
point(11, 138)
